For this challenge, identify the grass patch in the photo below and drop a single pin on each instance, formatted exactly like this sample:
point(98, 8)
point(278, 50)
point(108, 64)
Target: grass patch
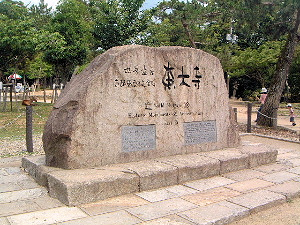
point(13, 123)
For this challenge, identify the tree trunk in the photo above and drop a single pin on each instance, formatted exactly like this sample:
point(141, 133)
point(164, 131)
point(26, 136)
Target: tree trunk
point(282, 70)
point(188, 33)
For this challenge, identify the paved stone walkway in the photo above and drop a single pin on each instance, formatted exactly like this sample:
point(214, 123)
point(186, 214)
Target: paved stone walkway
point(216, 200)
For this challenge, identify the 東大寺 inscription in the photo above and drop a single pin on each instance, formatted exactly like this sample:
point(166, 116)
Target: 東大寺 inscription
point(200, 132)
point(138, 138)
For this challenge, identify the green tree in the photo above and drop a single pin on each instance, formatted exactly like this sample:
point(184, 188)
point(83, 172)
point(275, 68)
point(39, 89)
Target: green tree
point(41, 14)
point(258, 64)
point(71, 28)
point(18, 37)
point(283, 67)
point(117, 22)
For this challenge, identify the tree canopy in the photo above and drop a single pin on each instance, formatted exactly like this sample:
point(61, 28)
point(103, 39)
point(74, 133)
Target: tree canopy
point(248, 36)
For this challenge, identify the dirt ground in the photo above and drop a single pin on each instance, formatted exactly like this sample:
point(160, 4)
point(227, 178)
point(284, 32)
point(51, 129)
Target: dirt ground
point(285, 214)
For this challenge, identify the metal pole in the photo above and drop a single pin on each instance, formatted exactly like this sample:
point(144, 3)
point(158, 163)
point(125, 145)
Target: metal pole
point(249, 112)
point(235, 114)
point(11, 90)
point(29, 142)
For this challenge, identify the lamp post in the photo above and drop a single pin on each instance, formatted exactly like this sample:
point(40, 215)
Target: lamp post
point(232, 39)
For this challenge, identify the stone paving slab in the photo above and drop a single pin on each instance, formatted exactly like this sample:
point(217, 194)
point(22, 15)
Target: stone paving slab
point(160, 209)
point(284, 150)
point(279, 177)
point(4, 221)
point(211, 196)
point(113, 204)
point(11, 162)
point(294, 162)
point(166, 193)
point(243, 175)
point(258, 200)
point(49, 216)
point(18, 207)
point(290, 189)
point(289, 155)
point(295, 170)
point(249, 185)
point(9, 187)
point(13, 178)
point(271, 168)
point(168, 220)
point(114, 218)
point(12, 196)
point(46, 202)
point(218, 213)
point(209, 183)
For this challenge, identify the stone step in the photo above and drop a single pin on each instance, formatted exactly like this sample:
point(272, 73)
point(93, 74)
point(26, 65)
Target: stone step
point(74, 187)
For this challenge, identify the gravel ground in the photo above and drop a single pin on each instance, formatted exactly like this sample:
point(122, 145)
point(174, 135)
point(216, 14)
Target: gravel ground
point(17, 146)
point(280, 132)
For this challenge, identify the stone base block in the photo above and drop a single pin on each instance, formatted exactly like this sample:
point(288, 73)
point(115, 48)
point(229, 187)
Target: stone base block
point(230, 160)
point(74, 187)
point(259, 154)
point(152, 174)
point(35, 166)
point(193, 166)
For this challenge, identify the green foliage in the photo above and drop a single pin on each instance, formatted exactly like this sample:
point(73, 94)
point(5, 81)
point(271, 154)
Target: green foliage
point(294, 78)
point(18, 37)
point(39, 41)
point(71, 29)
point(38, 68)
point(259, 64)
point(117, 22)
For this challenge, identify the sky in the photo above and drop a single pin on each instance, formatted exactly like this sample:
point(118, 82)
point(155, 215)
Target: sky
point(52, 3)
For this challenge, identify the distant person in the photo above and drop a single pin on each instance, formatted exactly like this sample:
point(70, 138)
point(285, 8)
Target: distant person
point(262, 99)
point(292, 114)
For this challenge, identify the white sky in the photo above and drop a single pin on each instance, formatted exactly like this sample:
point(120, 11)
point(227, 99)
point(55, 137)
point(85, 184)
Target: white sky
point(53, 3)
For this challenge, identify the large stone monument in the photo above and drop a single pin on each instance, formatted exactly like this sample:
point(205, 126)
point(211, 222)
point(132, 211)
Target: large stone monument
point(135, 103)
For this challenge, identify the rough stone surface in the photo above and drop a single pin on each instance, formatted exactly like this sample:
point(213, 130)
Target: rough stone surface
point(35, 166)
point(193, 166)
point(152, 174)
point(259, 154)
point(73, 187)
point(230, 160)
point(136, 102)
